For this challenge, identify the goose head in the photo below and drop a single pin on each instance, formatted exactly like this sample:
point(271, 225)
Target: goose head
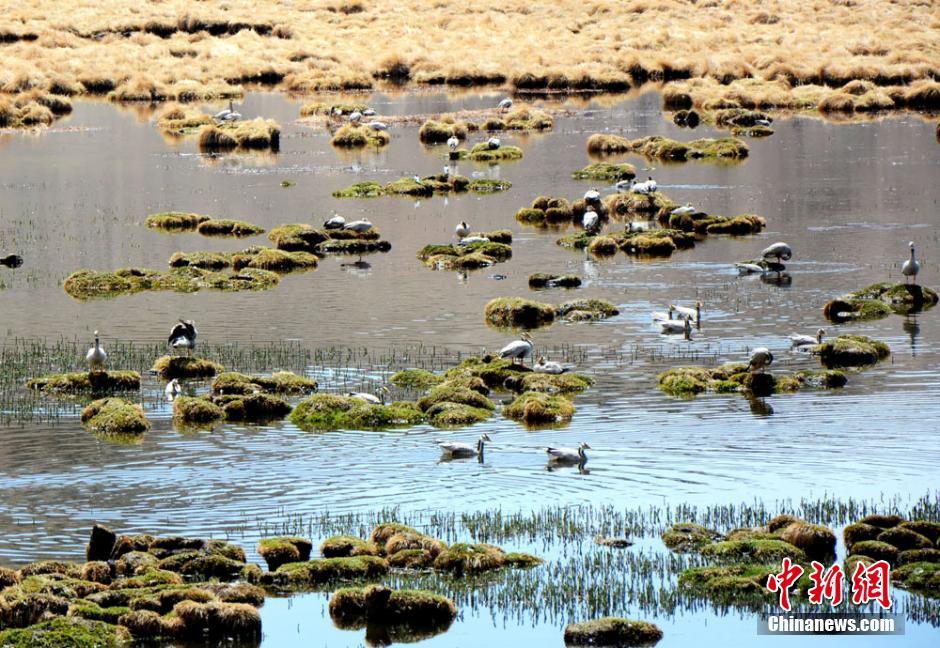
point(526, 337)
point(819, 335)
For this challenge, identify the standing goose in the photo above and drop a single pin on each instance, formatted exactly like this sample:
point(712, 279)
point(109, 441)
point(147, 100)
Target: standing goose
point(911, 267)
point(462, 229)
point(453, 142)
point(371, 399)
point(544, 366)
point(662, 316)
point(799, 340)
point(779, 251)
point(568, 455)
point(461, 449)
point(520, 349)
point(761, 357)
point(96, 356)
point(172, 389)
point(183, 335)
point(591, 222)
point(334, 222)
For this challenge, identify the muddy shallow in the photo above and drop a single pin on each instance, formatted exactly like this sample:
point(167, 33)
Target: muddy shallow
point(847, 197)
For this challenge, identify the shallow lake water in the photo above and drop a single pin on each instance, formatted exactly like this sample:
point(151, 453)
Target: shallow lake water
point(847, 197)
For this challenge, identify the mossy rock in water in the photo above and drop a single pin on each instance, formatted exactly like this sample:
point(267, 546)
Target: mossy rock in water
point(451, 392)
point(596, 309)
point(296, 237)
point(275, 260)
point(546, 210)
point(606, 171)
point(728, 584)
point(904, 539)
point(638, 204)
point(494, 372)
point(735, 225)
point(688, 537)
point(928, 529)
point(413, 540)
point(284, 549)
point(236, 592)
point(482, 152)
point(536, 408)
point(368, 189)
point(535, 381)
point(463, 558)
point(684, 381)
point(93, 284)
point(852, 562)
point(280, 382)
point(416, 610)
point(576, 241)
point(859, 532)
point(818, 542)
point(602, 245)
point(877, 550)
point(851, 351)
point(92, 612)
point(888, 521)
point(826, 379)
point(196, 412)
point(334, 412)
point(612, 631)
point(204, 260)
point(115, 417)
point(654, 243)
point(228, 227)
point(66, 631)
point(753, 551)
point(439, 131)
point(844, 309)
point(415, 379)
point(520, 560)
point(252, 408)
point(203, 565)
point(175, 221)
point(751, 533)
point(496, 236)
point(901, 298)
point(919, 555)
point(236, 622)
point(545, 280)
point(920, 577)
point(518, 312)
point(344, 546)
point(359, 136)
point(169, 367)
point(411, 559)
point(95, 381)
point(481, 254)
point(327, 570)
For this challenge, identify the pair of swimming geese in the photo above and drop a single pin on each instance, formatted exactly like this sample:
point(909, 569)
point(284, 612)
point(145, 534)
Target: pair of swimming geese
point(460, 449)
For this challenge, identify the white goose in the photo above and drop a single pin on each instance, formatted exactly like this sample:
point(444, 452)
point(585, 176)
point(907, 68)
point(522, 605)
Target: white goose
point(453, 142)
point(544, 366)
point(592, 195)
point(799, 340)
point(494, 143)
point(505, 104)
point(779, 251)
point(462, 229)
point(519, 349)
point(172, 389)
point(651, 185)
point(371, 399)
point(368, 112)
point(685, 210)
point(183, 335)
point(749, 268)
point(688, 313)
point(638, 226)
point(673, 327)
point(96, 356)
point(335, 222)
point(378, 126)
point(761, 357)
point(662, 316)
point(624, 185)
point(461, 449)
point(467, 240)
point(355, 117)
point(911, 267)
point(591, 221)
point(568, 455)
point(363, 225)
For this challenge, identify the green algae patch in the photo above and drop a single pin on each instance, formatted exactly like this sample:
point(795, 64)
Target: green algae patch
point(546, 280)
point(170, 367)
point(753, 551)
point(71, 631)
point(280, 382)
point(343, 546)
point(335, 412)
point(354, 136)
point(196, 412)
point(581, 310)
point(93, 284)
point(415, 379)
point(321, 571)
point(606, 171)
point(93, 382)
point(879, 300)
point(114, 417)
point(482, 152)
point(282, 550)
point(175, 221)
point(537, 408)
point(464, 558)
point(481, 254)
point(228, 227)
point(688, 537)
point(510, 312)
point(612, 631)
point(367, 189)
point(920, 577)
point(565, 383)
point(728, 584)
point(851, 351)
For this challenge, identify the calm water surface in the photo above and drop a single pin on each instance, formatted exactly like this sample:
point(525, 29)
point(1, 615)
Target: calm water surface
point(847, 197)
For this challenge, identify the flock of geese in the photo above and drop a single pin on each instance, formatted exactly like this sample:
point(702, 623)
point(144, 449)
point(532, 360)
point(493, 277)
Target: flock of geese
point(556, 454)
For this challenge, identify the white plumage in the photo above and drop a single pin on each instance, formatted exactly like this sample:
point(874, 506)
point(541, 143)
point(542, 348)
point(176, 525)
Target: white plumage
point(467, 240)
point(545, 366)
point(355, 117)
point(638, 226)
point(505, 104)
point(591, 221)
point(779, 251)
point(378, 126)
point(183, 335)
point(661, 316)
point(685, 210)
point(96, 356)
point(592, 195)
point(172, 389)
point(761, 357)
point(368, 112)
point(749, 268)
point(688, 313)
point(363, 225)
point(462, 229)
point(453, 142)
point(461, 449)
point(336, 222)
point(624, 185)
point(494, 143)
point(673, 327)
point(798, 340)
point(911, 267)
point(519, 349)
point(371, 399)
point(569, 455)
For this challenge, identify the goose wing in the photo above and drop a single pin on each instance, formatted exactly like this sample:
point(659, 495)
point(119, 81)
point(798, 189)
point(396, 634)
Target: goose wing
point(179, 330)
point(514, 349)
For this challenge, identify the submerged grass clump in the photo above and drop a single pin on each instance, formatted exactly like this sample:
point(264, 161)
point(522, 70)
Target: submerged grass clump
point(280, 382)
point(537, 408)
point(612, 631)
point(518, 312)
point(228, 227)
point(334, 412)
point(733, 378)
point(93, 284)
point(546, 280)
point(851, 351)
point(483, 152)
point(457, 256)
point(94, 382)
point(606, 171)
point(196, 412)
point(175, 221)
point(664, 148)
point(879, 300)
point(169, 367)
point(423, 187)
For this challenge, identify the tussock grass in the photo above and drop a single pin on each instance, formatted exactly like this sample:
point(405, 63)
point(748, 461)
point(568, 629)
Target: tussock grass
point(359, 136)
point(256, 133)
point(664, 148)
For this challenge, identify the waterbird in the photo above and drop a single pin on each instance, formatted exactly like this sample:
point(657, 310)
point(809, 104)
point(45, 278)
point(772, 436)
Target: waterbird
point(368, 112)
point(12, 260)
point(638, 226)
point(624, 185)
point(355, 117)
point(519, 349)
point(640, 188)
point(461, 449)
point(798, 340)
point(688, 313)
point(334, 222)
point(662, 316)
point(96, 356)
point(183, 335)
point(371, 399)
point(172, 389)
point(911, 267)
point(779, 251)
point(542, 365)
point(453, 142)
point(592, 195)
point(761, 357)
point(467, 240)
point(505, 104)
point(568, 455)
point(227, 114)
point(446, 170)
point(591, 221)
point(651, 184)
point(762, 122)
point(494, 143)
point(363, 225)
point(378, 126)
point(685, 210)
point(462, 229)
point(749, 268)
point(672, 327)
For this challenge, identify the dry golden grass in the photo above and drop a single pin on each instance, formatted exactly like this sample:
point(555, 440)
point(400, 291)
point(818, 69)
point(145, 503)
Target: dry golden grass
point(175, 49)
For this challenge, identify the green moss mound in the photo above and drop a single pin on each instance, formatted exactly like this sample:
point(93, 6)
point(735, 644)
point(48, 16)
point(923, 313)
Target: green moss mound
point(536, 408)
point(482, 254)
point(252, 408)
point(415, 379)
point(64, 632)
point(367, 189)
point(606, 171)
point(612, 631)
point(920, 577)
point(818, 542)
point(919, 555)
point(275, 260)
point(901, 298)
point(509, 312)
point(876, 550)
point(493, 372)
point(546, 210)
point(175, 221)
point(928, 529)
point(333, 412)
point(280, 382)
point(93, 284)
point(843, 309)
point(851, 351)
point(686, 382)
point(408, 612)
point(298, 237)
point(664, 148)
point(359, 136)
point(411, 559)
point(422, 187)
point(196, 412)
point(483, 153)
point(546, 280)
point(534, 381)
point(858, 532)
point(905, 539)
point(753, 551)
point(228, 227)
point(95, 382)
point(454, 392)
point(114, 417)
point(580, 310)
point(202, 260)
point(169, 367)
point(654, 205)
point(281, 550)
point(728, 584)
point(327, 570)
point(464, 558)
point(344, 546)
point(256, 134)
point(439, 131)
point(688, 537)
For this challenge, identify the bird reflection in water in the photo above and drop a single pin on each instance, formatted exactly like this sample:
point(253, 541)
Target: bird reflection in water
point(760, 407)
point(912, 328)
point(782, 279)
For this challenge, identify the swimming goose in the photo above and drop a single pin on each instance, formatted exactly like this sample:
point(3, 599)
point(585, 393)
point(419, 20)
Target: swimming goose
point(172, 389)
point(378, 126)
point(640, 188)
point(355, 117)
point(461, 449)
point(363, 225)
point(462, 229)
point(761, 357)
point(453, 142)
point(591, 221)
point(96, 356)
point(505, 104)
point(749, 268)
point(519, 349)
point(371, 399)
point(799, 340)
point(624, 185)
point(684, 210)
point(335, 222)
point(688, 313)
point(467, 240)
point(183, 335)
point(911, 267)
point(568, 455)
point(779, 251)
point(662, 316)
point(544, 366)
point(368, 112)
point(673, 327)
